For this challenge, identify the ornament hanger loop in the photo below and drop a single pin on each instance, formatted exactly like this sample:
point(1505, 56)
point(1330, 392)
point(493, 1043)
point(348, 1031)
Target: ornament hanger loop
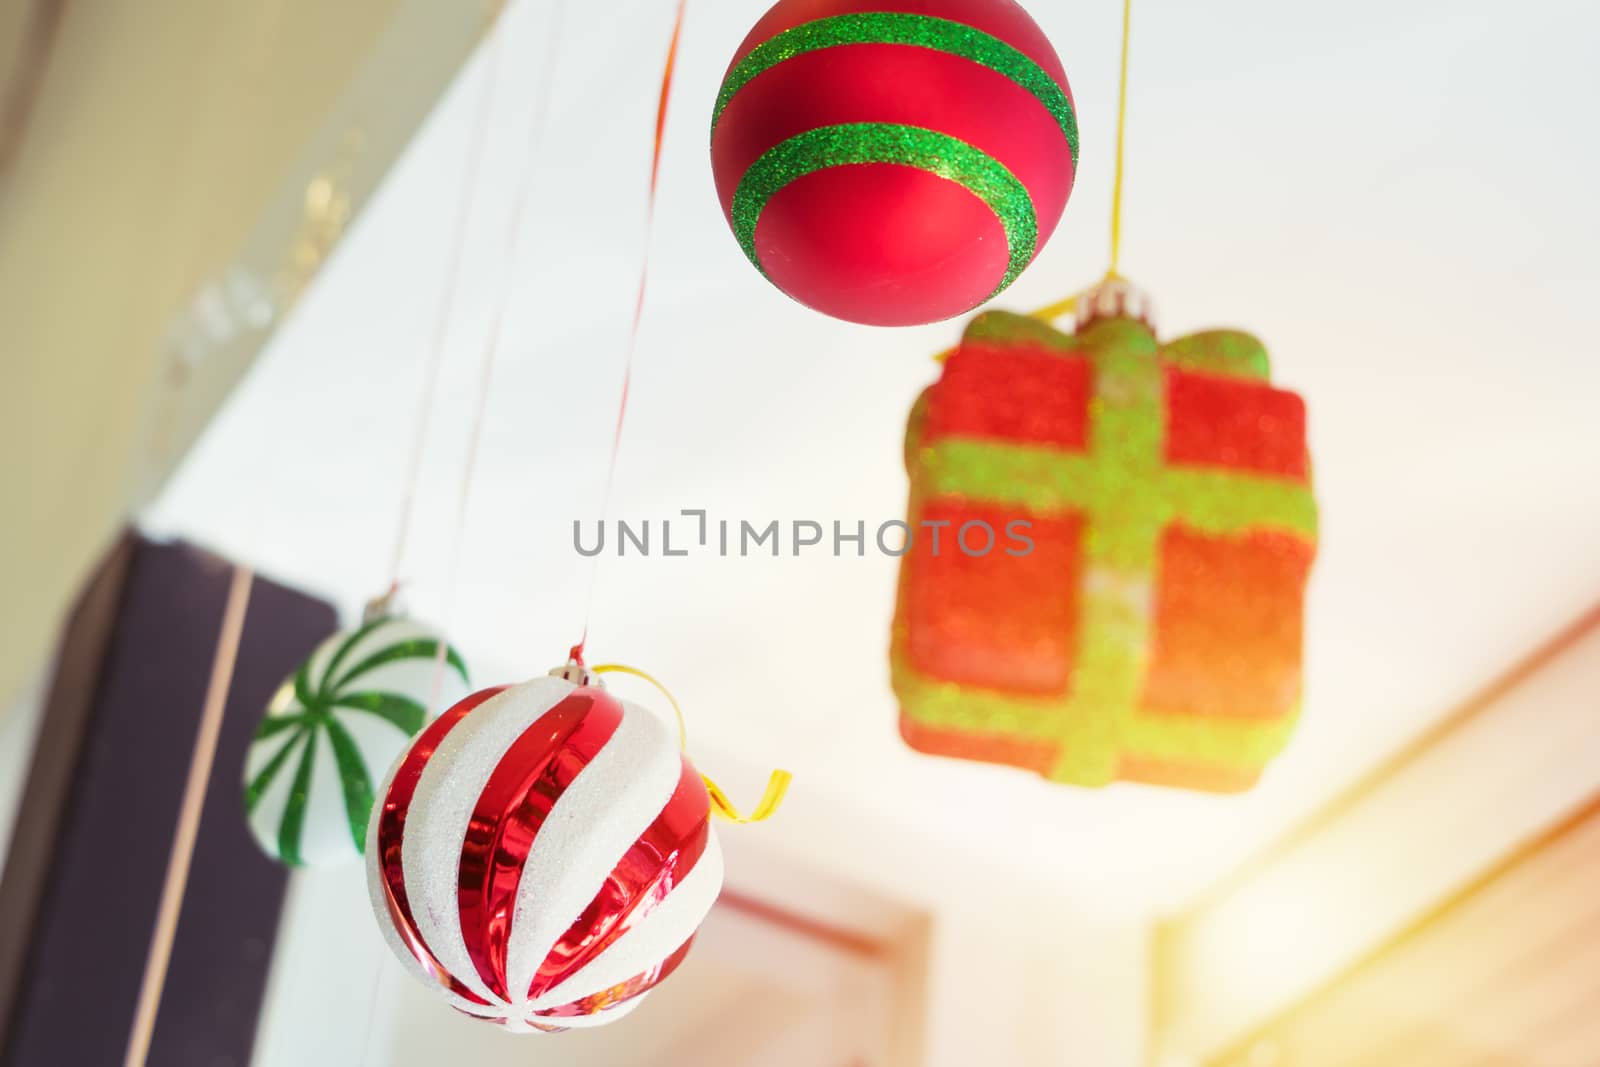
point(385, 603)
point(777, 782)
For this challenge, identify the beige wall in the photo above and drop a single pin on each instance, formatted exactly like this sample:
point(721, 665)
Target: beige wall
point(170, 142)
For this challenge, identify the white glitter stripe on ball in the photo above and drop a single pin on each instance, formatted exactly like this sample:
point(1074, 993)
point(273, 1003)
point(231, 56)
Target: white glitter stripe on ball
point(317, 668)
point(325, 835)
point(601, 815)
point(267, 816)
point(646, 946)
point(441, 809)
point(378, 894)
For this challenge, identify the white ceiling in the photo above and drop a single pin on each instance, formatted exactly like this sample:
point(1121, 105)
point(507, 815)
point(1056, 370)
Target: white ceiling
point(1397, 197)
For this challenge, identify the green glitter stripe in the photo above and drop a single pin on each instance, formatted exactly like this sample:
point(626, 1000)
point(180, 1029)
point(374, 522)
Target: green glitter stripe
point(417, 648)
point(304, 692)
point(1230, 353)
point(327, 687)
point(404, 713)
point(1006, 326)
point(1047, 481)
point(355, 779)
point(1226, 743)
point(1043, 480)
point(1121, 542)
point(1217, 501)
point(258, 785)
point(882, 142)
point(294, 812)
point(276, 724)
point(887, 27)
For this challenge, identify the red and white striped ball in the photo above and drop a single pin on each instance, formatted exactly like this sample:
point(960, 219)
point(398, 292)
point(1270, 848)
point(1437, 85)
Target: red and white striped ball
point(894, 162)
point(543, 855)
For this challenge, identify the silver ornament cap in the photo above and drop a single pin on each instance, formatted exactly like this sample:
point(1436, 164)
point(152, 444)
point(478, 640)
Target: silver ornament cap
point(576, 673)
point(1116, 298)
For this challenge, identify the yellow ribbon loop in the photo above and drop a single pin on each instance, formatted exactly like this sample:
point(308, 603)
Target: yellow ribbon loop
point(623, 668)
point(777, 784)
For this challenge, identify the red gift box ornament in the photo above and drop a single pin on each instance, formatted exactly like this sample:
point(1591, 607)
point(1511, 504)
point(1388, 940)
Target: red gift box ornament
point(1110, 541)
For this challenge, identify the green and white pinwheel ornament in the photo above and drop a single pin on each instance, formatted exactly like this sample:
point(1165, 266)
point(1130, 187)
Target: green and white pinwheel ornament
point(333, 730)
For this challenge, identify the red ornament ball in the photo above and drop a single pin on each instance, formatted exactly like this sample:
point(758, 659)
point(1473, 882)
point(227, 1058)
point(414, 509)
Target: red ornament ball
point(543, 855)
point(894, 162)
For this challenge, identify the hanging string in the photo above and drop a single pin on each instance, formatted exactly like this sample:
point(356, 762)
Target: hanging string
point(632, 342)
point(373, 1001)
point(1067, 305)
point(1122, 131)
point(444, 318)
point(777, 782)
point(491, 351)
point(444, 314)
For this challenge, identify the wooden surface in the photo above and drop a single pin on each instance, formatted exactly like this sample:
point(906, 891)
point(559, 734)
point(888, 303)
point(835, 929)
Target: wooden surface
point(1507, 976)
point(1519, 758)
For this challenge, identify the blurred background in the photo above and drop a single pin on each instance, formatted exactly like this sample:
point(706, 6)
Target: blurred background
point(224, 229)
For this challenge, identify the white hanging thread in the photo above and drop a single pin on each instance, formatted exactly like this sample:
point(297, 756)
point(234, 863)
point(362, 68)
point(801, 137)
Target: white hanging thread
point(632, 343)
point(444, 316)
point(431, 375)
point(497, 326)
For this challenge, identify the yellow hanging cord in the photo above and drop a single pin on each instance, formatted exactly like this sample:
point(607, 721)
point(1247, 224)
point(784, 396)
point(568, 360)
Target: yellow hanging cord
point(1122, 131)
point(777, 784)
point(1067, 305)
point(1070, 304)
